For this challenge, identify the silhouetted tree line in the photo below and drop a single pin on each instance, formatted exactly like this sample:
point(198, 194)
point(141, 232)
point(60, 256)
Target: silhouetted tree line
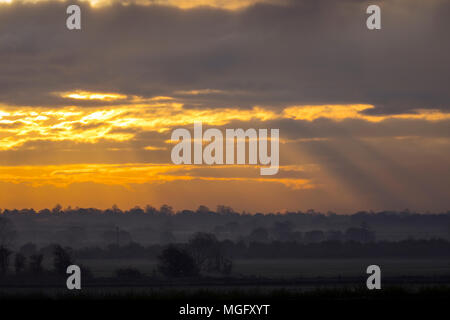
point(284, 232)
point(276, 249)
point(166, 210)
point(190, 243)
point(203, 254)
point(28, 261)
point(278, 239)
point(79, 227)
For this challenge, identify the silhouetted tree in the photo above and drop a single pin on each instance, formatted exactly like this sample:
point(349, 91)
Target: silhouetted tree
point(136, 210)
point(202, 246)
point(224, 210)
point(4, 259)
point(203, 209)
point(226, 266)
point(61, 259)
point(166, 210)
point(28, 249)
point(115, 209)
point(19, 262)
point(207, 253)
point(150, 210)
point(35, 264)
point(175, 262)
point(57, 209)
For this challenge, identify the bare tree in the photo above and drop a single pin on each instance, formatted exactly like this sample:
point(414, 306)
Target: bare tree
point(208, 254)
point(175, 262)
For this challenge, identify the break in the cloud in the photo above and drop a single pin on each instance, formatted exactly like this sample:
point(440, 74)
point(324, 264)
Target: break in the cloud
point(183, 4)
point(364, 116)
point(124, 122)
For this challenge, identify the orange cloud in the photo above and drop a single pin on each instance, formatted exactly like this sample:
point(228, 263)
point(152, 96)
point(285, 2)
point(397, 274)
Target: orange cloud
point(354, 111)
point(92, 124)
point(19, 125)
point(135, 173)
point(183, 4)
point(86, 95)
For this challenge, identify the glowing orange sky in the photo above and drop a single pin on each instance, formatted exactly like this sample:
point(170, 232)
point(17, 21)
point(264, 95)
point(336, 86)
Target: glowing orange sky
point(184, 4)
point(86, 116)
point(76, 125)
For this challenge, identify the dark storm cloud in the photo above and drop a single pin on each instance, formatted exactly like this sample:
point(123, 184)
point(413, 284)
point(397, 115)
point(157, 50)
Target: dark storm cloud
point(306, 52)
point(351, 128)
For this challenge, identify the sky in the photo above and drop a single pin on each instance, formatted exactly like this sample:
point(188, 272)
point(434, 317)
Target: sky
point(86, 116)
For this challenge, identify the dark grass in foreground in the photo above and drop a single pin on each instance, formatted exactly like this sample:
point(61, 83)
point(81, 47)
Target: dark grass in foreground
point(282, 295)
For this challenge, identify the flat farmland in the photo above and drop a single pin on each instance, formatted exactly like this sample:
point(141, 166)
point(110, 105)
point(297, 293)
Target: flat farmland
point(293, 268)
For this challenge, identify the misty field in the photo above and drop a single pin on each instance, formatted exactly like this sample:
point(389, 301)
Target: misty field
point(293, 268)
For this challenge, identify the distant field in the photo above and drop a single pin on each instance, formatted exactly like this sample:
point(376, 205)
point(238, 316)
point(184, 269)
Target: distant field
point(288, 268)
